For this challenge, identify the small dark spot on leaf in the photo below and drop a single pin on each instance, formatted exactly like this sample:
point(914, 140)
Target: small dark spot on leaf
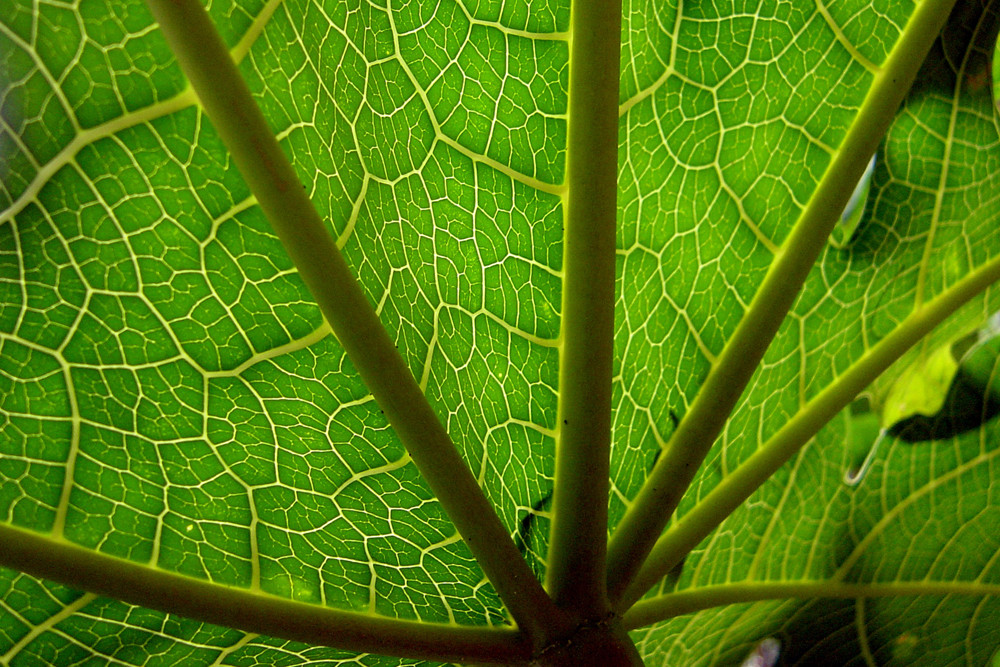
point(523, 537)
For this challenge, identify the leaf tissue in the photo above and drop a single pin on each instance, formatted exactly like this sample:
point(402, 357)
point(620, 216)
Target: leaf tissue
point(551, 332)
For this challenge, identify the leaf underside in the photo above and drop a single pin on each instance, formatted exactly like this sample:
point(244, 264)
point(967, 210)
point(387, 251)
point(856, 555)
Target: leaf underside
point(169, 393)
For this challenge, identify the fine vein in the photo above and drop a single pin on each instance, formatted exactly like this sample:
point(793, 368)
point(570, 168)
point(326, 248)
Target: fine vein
point(270, 176)
point(691, 442)
point(735, 488)
point(247, 610)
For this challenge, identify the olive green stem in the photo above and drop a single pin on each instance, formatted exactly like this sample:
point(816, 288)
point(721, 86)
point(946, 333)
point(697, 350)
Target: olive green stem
point(671, 605)
point(735, 488)
point(270, 176)
point(251, 611)
point(698, 430)
point(579, 532)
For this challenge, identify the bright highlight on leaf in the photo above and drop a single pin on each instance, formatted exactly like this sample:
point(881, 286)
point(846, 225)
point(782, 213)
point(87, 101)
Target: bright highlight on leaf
point(864, 436)
point(995, 69)
point(921, 388)
point(954, 389)
point(765, 655)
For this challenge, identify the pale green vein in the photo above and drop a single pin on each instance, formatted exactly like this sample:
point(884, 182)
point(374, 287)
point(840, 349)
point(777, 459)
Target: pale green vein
point(441, 136)
point(735, 488)
point(745, 218)
point(654, 505)
point(222, 660)
point(81, 568)
point(352, 220)
point(650, 90)
point(789, 490)
point(668, 71)
point(238, 207)
point(513, 32)
point(671, 605)
point(39, 629)
point(86, 137)
point(520, 333)
point(862, 629)
point(684, 314)
point(11, 135)
point(83, 138)
point(69, 471)
point(373, 471)
point(513, 174)
point(301, 343)
point(249, 38)
point(842, 38)
point(949, 142)
point(879, 529)
point(40, 66)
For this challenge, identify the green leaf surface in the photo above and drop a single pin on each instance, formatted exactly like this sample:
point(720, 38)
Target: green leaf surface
point(171, 395)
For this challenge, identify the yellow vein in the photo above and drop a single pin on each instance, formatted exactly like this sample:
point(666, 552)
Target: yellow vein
point(879, 528)
point(671, 605)
point(301, 343)
point(842, 38)
point(46, 625)
point(256, 28)
point(181, 100)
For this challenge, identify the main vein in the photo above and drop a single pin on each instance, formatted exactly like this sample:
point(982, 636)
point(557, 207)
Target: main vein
point(270, 176)
point(578, 538)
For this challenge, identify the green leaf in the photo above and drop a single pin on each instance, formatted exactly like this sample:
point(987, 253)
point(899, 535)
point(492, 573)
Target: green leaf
point(921, 388)
point(954, 382)
point(171, 395)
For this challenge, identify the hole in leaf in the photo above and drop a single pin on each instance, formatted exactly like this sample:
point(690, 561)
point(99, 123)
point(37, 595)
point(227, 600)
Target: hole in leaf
point(854, 213)
point(765, 655)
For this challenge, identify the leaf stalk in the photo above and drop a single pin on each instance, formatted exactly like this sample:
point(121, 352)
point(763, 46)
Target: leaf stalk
point(671, 605)
point(578, 534)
